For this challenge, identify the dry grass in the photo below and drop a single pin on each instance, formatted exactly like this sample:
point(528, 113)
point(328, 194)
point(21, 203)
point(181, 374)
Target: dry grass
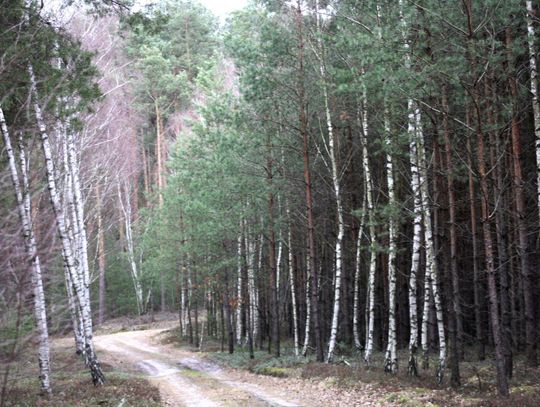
point(137, 323)
point(72, 385)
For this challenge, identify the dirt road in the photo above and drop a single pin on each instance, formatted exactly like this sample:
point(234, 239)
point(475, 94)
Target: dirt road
point(186, 379)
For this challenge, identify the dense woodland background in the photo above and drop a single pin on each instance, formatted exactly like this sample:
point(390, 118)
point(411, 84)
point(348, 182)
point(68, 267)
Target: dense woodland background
point(309, 177)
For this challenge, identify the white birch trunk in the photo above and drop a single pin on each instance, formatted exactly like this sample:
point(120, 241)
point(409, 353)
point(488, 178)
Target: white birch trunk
point(417, 242)
point(431, 261)
point(68, 207)
point(419, 166)
point(101, 257)
point(358, 259)
point(250, 256)
point(307, 332)
point(370, 304)
point(337, 195)
point(279, 258)
point(25, 214)
point(135, 275)
point(239, 293)
point(292, 280)
point(82, 245)
point(182, 304)
point(531, 35)
point(425, 319)
point(256, 317)
point(391, 362)
point(67, 252)
point(73, 221)
point(75, 314)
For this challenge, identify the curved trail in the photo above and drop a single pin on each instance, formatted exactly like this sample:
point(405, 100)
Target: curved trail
point(182, 377)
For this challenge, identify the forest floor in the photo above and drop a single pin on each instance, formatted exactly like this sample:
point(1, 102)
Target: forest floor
point(71, 381)
point(185, 375)
point(146, 364)
point(187, 378)
point(349, 383)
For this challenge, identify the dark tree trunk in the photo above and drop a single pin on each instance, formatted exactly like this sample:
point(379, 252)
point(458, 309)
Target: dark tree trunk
point(307, 180)
point(519, 196)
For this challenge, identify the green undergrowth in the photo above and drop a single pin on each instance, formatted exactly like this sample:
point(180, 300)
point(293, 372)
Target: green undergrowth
point(72, 385)
point(262, 363)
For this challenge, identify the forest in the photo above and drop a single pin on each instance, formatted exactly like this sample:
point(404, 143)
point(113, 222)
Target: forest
point(352, 183)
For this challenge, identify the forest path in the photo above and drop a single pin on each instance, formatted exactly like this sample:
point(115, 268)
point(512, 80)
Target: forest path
point(187, 378)
point(183, 378)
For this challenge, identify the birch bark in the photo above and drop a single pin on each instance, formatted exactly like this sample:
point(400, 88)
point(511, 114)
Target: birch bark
point(239, 292)
point(431, 261)
point(22, 195)
point(357, 269)
point(101, 256)
point(307, 331)
point(533, 66)
point(135, 275)
point(292, 279)
point(370, 305)
point(337, 194)
point(68, 207)
point(391, 363)
point(67, 252)
point(252, 290)
point(80, 235)
point(416, 248)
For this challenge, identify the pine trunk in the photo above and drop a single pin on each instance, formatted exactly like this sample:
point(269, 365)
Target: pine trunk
point(519, 196)
point(303, 120)
point(456, 315)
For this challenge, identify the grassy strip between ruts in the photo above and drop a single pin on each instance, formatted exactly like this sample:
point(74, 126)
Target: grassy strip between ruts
point(72, 385)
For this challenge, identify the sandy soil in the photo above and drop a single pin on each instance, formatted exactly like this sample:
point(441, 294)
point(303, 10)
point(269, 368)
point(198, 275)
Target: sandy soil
point(186, 379)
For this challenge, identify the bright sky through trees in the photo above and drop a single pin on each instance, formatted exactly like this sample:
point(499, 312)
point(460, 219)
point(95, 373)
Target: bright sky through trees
point(223, 7)
point(220, 8)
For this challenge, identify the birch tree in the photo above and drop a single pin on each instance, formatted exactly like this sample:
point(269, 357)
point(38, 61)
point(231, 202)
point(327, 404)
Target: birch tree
point(239, 300)
point(22, 195)
point(82, 299)
point(124, 201)
point(368, 182)
point(432, 273)
point(320, 52)
point(533, 68)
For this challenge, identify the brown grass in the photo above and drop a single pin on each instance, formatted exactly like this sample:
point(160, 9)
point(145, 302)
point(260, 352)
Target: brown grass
point(72, 384)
